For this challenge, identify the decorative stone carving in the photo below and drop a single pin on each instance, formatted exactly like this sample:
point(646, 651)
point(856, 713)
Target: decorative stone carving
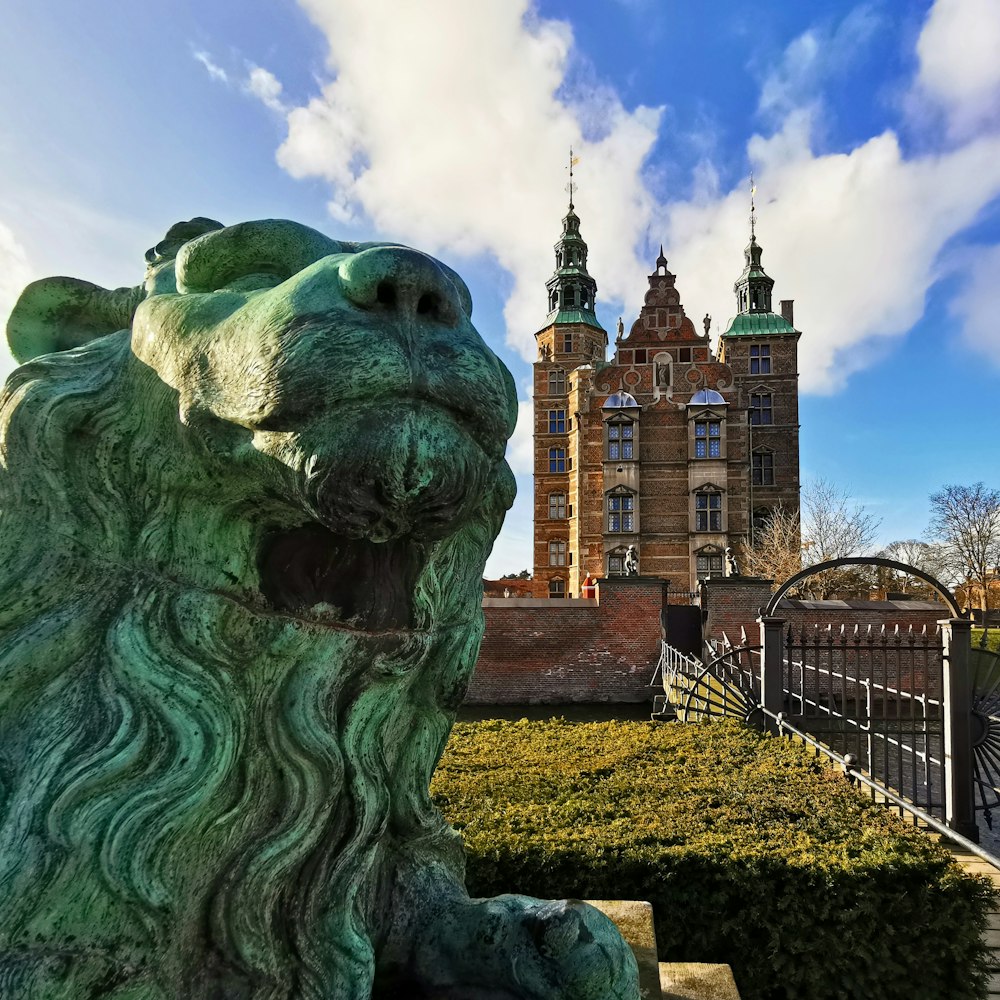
point(246, 509)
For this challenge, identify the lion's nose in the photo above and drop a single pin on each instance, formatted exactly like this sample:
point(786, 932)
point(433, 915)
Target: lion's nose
point(403, 281)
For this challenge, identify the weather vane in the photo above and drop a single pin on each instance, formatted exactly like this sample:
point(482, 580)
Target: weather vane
point(573, 161)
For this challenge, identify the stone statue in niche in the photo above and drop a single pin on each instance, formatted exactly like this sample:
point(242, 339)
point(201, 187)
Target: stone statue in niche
point(246, 510)
point(545, 352)
point(631, 561)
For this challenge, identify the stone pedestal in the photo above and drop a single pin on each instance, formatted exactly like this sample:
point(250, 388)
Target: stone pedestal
point(696, 981)
point(664, 980)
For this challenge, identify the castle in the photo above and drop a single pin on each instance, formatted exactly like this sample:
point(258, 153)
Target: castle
point(657, 461)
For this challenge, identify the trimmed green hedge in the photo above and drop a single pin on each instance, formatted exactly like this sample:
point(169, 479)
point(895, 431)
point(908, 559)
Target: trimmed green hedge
point(751, 852)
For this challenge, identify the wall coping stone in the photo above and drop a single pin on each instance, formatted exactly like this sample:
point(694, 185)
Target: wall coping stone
point(578, 603)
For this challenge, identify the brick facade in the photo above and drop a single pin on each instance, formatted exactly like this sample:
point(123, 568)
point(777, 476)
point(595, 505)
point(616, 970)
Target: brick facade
point(558, 651)
point(668, 449)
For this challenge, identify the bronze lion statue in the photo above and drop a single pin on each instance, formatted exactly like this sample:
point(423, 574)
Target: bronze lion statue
point(245, 512)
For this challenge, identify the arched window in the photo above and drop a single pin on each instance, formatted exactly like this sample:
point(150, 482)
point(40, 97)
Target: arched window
point(557, 382)
point(759, 520)
point(557, 587)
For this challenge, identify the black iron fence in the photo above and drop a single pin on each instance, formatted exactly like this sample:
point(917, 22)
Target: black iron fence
point(875, 693)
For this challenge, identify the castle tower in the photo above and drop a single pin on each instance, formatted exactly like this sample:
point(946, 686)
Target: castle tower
point(761, 348)
point(570, 344)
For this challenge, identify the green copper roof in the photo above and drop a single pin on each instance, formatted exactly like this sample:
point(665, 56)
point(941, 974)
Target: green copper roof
point(574, 316)
point(755, 324)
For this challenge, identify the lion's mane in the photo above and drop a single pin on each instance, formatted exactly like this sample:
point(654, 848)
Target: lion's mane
point(166, 750)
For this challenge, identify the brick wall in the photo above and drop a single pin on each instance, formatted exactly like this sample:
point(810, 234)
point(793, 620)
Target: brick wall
point(559, 651)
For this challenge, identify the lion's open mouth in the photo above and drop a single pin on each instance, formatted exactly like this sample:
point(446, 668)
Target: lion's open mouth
point(350, 580)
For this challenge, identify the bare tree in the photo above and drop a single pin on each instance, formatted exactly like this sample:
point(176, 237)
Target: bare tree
point(926, 556)
point(776, 550)
point(966, 519)
point(832, 526)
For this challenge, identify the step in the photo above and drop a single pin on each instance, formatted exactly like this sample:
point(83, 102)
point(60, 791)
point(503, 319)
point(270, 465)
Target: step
point(697, 981)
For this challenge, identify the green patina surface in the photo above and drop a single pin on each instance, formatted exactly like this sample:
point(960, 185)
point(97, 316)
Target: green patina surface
point(246, 510)
point(584, 316)
point(756, 324)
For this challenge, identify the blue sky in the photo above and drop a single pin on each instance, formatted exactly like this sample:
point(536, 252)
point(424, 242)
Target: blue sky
point(873, 131)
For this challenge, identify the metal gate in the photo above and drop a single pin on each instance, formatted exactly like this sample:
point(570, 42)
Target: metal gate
point(917, 711)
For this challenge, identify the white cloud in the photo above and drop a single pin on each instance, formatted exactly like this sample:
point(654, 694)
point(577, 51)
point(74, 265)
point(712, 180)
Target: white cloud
point(15, 273)
point(854, 238)
point(975, 306)
point(959, 63)
point(448, 126)
point(520, 447)
point(215, 71)
point(813, 56)
point(266, 87)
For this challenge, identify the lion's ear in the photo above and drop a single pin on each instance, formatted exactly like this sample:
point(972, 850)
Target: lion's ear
point(58, 314)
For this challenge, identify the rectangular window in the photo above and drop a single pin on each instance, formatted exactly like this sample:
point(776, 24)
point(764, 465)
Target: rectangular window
point(760, 359)
point(684, 354)
point(640, 357)
point(707, 439)
point(557, 553)
point(621, 512)
point(557, 588)
point(557, 382)
point(616, 565)
point(557, 421)
point(708, 512)
point(557, 506)
point(620, 442)
point(557, 459)
point(568, 343)
point(709, 565)
point(760, 408)
point(763, 468)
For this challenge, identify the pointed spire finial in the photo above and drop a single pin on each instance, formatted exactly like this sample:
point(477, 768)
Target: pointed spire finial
point(753, 209)
point(573, 161)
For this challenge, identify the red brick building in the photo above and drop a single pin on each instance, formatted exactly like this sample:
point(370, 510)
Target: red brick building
point(657, 460)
